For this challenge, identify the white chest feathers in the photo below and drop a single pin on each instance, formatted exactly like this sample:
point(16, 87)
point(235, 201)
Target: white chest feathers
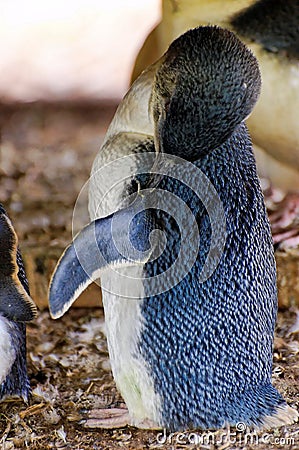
point(7, 351)
point(124, 324)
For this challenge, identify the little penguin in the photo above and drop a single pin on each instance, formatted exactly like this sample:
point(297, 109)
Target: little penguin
point(189, 330)
point(270, 28)
point(16, 308)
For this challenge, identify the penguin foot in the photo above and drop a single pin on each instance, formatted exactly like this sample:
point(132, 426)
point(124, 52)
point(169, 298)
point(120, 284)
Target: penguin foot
point(106, 418)
point(22, 394)
point(288, 239)
point(285, 415)
point(285, 221)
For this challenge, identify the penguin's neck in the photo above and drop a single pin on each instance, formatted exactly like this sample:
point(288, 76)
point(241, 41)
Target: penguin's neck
point(231, 168)
point(132, 115)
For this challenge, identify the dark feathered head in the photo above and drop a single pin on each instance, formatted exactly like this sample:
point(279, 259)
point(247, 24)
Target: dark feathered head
point(207, 84)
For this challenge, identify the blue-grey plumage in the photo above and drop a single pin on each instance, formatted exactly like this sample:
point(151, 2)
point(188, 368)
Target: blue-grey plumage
point(215, 338)
point(16, 308)
point(77, 260)
point(199, 353)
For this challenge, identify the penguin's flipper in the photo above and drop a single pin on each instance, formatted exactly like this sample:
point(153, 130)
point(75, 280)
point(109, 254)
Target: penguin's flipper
point(15, 302)
point(119, 239)
point(271, 23)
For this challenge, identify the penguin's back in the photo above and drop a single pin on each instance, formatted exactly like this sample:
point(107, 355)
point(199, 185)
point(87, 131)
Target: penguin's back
point(209, 343)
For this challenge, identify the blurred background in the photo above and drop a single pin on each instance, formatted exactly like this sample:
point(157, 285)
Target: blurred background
point(64, 66)
point(70, 49)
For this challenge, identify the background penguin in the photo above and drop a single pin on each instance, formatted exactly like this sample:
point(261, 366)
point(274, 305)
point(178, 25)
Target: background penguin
point(270, 28)
point(200, 353)
point(16, 308)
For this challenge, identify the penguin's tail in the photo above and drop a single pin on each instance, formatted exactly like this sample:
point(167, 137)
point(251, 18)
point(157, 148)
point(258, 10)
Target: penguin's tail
point(260, 407)
point(284, 415)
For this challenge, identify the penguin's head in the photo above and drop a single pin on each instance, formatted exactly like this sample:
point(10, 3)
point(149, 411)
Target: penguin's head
point(206, 85)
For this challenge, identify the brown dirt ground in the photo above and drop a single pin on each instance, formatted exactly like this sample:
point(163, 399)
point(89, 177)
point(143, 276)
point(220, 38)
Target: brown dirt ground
point(46, 155)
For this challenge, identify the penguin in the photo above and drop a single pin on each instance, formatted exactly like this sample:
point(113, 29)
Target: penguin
point(16, 308)
point(270, 28)
point(180, 240)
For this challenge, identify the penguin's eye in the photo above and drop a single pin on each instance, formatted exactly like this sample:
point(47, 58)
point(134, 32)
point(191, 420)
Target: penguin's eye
point(156, 113)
